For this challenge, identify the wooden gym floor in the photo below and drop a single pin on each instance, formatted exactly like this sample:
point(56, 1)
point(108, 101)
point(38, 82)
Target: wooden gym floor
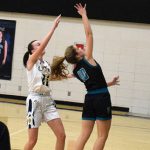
point(127, 133)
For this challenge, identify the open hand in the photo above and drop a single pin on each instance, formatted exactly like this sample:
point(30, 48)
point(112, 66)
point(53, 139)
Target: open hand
point(115, 81)
point(56, 21)
point(80, 9)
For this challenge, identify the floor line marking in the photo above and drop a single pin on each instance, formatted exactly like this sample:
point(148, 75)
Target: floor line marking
point(17, 132)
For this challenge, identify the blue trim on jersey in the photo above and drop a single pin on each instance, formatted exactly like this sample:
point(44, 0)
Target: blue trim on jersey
point(86, 118)
point(98, 91)
point(102, 118)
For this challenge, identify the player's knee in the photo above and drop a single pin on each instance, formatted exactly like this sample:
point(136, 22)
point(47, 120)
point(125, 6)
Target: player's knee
point(86, 133)
point(84, 136)
point(61, 136)
point(32, 142)
point(103, 137)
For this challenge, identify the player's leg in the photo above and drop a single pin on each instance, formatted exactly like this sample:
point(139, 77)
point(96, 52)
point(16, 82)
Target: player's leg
point(103, 130)
point(102, 105)
point(58, 129)
point(87, 128)
point(51, 116)
point(34, 118)
point(88, 121)
point(32, 138)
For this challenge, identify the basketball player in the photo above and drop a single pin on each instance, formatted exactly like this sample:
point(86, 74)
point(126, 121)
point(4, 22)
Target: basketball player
point(40, 107)
point(97, 105)
point(3, 47)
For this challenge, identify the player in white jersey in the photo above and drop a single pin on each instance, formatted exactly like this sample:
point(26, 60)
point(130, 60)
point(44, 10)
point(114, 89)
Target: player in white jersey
point(39, 104)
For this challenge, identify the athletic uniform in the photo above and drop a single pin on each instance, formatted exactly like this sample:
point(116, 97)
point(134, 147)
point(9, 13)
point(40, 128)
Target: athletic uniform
point(39, 104)
point(4, 137)
point(1, 53)
point(97, 105)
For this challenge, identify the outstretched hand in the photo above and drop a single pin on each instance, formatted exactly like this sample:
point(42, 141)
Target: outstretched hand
point(115, 81)
point(56, 21)
point(80, 9)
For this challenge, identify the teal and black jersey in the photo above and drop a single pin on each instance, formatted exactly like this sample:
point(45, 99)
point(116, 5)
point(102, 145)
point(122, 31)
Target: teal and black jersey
point(91, 76)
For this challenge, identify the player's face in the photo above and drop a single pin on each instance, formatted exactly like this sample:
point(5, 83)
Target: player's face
point(36, 45)
point(80, 52)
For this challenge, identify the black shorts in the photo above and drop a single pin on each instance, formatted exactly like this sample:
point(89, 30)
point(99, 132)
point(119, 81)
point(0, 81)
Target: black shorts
point(97, 107)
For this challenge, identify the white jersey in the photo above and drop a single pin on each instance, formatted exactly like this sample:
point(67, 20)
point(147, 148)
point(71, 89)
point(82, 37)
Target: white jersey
point(38, 77)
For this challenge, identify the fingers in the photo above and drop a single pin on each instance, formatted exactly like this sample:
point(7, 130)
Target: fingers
point(76, 7)
point(117, 82)
point(117, 77)
point(59, 15)
point(58, 18)
point(79, 6)
point(57, 21)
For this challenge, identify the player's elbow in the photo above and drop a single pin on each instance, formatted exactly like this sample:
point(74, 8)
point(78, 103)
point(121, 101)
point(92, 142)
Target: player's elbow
point(90, 33)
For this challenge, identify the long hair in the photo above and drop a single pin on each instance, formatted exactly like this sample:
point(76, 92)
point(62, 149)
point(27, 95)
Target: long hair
point(27, 53)
point(59, 68)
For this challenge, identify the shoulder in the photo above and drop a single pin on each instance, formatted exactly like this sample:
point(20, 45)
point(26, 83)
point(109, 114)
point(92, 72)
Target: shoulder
point(31, 65)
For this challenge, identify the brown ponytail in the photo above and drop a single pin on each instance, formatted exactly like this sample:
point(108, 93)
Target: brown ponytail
point(59, 70)
point(26, 55)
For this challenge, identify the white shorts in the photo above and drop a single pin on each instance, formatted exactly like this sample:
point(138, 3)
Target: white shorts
point(40, 108)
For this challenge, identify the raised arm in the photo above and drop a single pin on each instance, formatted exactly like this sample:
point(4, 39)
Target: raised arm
point(88, 31)
point(5, 52)
point(35, 56)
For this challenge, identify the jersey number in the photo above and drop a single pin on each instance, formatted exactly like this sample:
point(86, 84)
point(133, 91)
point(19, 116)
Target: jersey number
point(45, 80)
point(83, 74)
